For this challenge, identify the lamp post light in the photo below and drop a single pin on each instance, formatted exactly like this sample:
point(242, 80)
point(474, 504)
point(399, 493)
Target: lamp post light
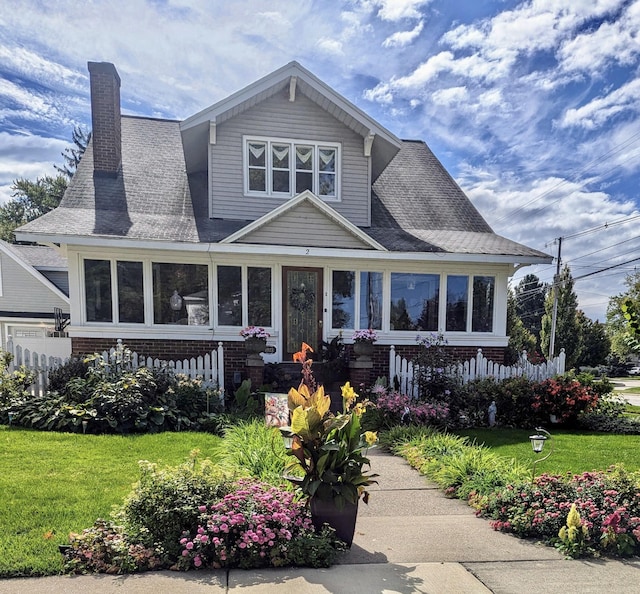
point(537, 444)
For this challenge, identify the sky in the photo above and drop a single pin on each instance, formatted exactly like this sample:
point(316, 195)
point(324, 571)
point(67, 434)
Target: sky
point(533, 107)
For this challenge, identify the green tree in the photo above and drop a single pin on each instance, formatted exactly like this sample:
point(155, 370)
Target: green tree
point(568, 336)
point(530, 296)
point(622, 336)
point(520, 339)
point(596, 345)
point(73, 154)
point(31, 199)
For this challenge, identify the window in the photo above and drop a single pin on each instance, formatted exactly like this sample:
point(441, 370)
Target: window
point(180, 294)
point(414, 301)
point(232, 309)
point(97, 286)
point(457, 296)
point(130, 292)
point(483, 291)
point(259, 296)
point(288, 167)
point(344, 299)
point(371, 300)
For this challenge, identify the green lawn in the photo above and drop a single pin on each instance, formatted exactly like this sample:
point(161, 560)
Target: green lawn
point(55, 483)
point(574, 451)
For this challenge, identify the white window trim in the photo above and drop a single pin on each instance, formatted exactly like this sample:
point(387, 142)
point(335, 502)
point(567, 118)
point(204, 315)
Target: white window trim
point(292, 142)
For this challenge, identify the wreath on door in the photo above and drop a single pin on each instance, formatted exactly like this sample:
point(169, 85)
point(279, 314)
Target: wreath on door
point(302, 298)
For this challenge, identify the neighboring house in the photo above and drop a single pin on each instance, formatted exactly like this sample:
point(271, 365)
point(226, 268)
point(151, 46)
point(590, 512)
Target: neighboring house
point(283, 206)
point(34, 285)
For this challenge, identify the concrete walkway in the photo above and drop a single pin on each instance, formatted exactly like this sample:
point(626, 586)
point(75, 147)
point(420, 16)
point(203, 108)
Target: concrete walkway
point(410, 538)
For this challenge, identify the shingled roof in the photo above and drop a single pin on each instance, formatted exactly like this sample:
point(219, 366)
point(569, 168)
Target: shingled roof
point(416, 205)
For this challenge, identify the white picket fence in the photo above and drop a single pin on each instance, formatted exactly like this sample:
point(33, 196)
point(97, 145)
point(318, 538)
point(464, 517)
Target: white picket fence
point(209, 367)
point(404, 371)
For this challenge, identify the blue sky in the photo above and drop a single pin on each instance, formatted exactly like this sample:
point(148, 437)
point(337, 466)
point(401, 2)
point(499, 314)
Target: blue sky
point(533, 107)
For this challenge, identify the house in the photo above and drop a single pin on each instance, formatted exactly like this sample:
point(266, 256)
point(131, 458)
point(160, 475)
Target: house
point(283, 206)
point(34, 299)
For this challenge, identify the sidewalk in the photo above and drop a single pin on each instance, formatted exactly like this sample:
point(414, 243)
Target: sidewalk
point(410, 538)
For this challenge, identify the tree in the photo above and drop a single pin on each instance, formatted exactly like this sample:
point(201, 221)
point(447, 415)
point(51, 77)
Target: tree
point(618, 329)
point(520, 339)
point(31, 199)
point(568, 335)
point(72, 156)
point(596, 345)
point(530, 295)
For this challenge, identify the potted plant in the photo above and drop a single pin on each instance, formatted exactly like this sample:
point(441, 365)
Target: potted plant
point(255, 339)
point(329, 452)
point(363, 343)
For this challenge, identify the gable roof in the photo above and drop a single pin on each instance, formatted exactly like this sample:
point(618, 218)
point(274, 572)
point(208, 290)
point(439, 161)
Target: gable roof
point(416, 206)
point(350, 236)
point(16, 255)
point(291, 78)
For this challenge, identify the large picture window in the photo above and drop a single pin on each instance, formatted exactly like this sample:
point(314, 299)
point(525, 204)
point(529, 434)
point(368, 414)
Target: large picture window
point(180, 294)
point(97, 286)
point(414, 301)
point(288, 167)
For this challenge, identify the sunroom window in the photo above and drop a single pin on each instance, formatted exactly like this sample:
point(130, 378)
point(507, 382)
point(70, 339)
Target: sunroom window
point(279, 167)
point(233, 309)
point(180, 294)
point(482, 302)
point(363, 289)
point(97, 286)
point(414, 301)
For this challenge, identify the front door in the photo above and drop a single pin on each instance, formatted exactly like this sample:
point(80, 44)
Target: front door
point(302, 309)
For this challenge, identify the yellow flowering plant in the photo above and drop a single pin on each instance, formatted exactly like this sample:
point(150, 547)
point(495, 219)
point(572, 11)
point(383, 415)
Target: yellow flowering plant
point(328, 450)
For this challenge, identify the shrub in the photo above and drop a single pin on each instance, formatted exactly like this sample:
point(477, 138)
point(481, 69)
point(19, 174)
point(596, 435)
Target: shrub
point(13, 384)
point(164, 503)
point(608, 503)
point(253, 527)
point(434, 375)
point(564, 397)
point(105, 548)
point(73, 369)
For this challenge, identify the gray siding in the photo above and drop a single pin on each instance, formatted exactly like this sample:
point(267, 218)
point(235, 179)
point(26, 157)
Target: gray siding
point(22, 293)
point(277, 117)
point(59, 278)
point(304, 226)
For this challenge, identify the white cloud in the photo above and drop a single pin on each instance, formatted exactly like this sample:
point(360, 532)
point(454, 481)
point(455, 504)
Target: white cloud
point(331, 46)
point(449, 97)
point(600, 110)
point(402, 38)
point(395, 10)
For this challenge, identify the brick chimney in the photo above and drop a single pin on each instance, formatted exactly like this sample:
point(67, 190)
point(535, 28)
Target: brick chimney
point(105, 119)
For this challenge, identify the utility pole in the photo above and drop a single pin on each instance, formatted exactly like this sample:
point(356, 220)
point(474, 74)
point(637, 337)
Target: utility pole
point(556, 290)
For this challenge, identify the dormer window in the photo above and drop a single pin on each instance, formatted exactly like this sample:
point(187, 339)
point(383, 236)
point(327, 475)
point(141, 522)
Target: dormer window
point(285, 168)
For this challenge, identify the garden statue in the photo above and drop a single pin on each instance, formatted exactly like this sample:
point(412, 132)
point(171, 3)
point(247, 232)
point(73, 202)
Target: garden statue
point(493, 409)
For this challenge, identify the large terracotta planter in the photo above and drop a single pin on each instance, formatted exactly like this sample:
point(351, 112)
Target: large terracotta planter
point(363, 350)
point(342, 520)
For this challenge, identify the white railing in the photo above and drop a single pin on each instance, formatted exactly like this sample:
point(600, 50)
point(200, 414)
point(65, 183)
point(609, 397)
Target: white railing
point(404, 372)
point(209, 367)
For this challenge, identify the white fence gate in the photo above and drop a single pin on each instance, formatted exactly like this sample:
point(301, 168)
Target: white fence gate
point(209, 367)
point(404, 372)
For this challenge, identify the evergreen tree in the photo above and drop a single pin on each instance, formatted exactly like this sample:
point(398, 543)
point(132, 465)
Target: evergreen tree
point(596, 345)
point(71, 155)
point(520, 339)
point(530, 296)
point(568, 336)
